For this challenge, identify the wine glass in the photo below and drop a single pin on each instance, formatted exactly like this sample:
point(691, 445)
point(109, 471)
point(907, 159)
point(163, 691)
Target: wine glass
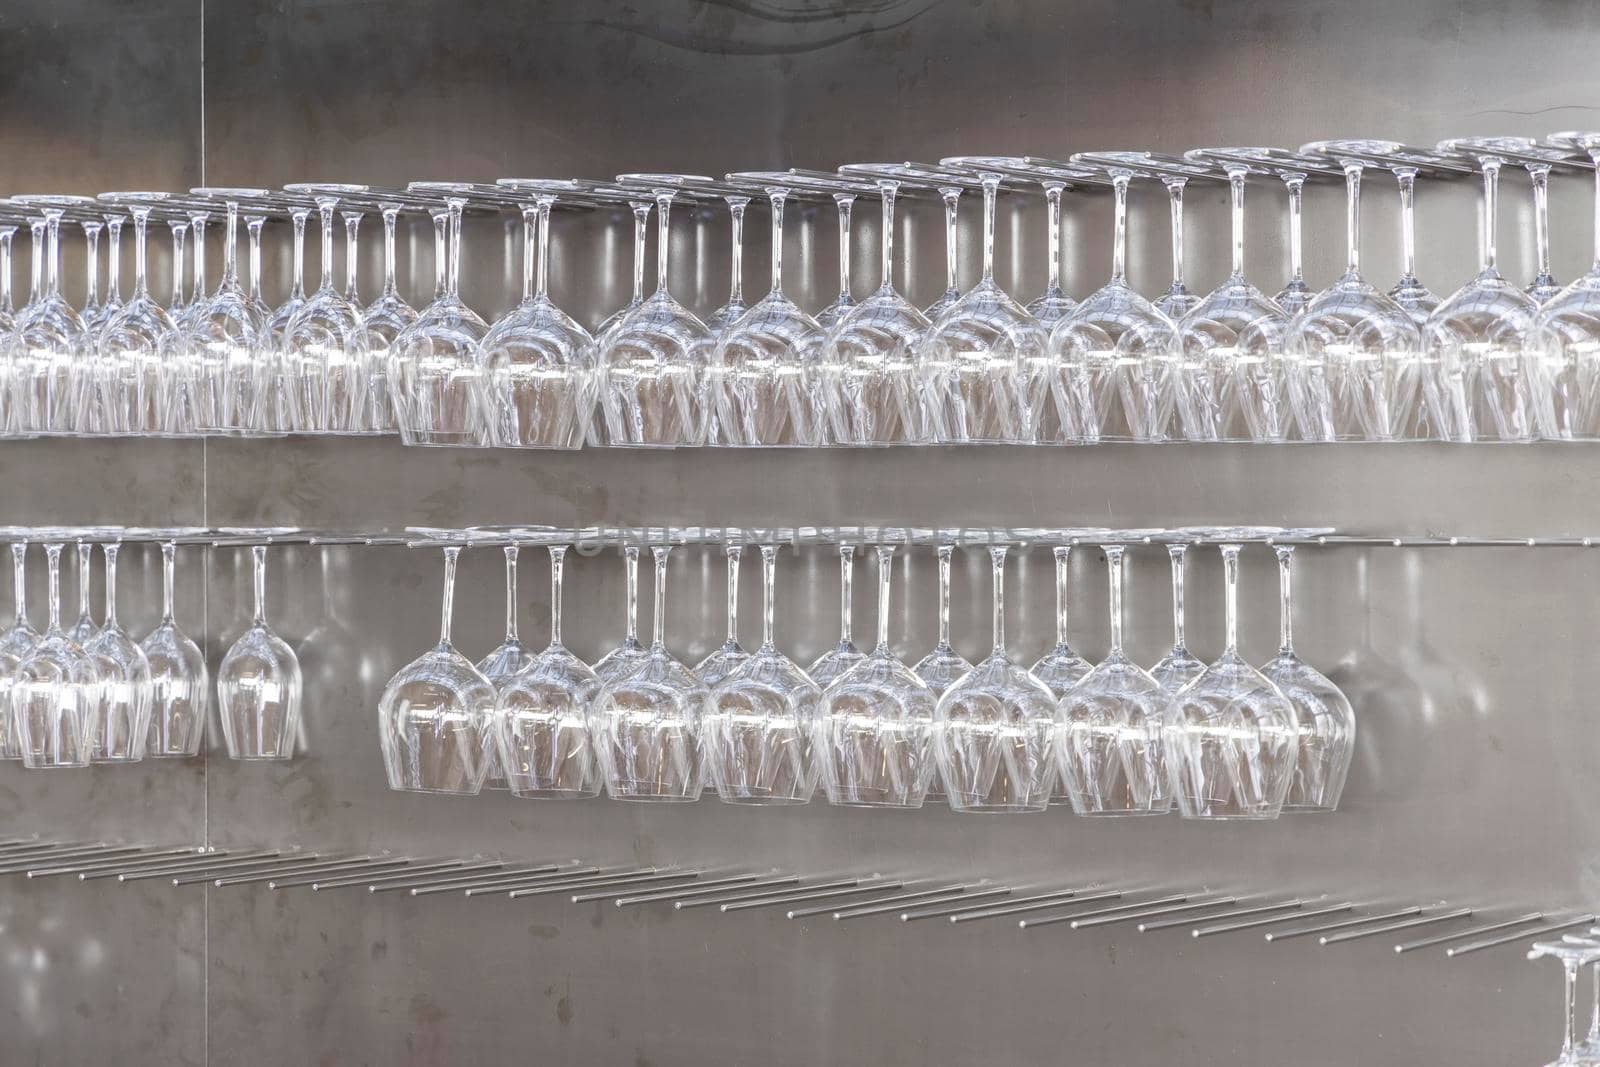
point(1476, 379)
point(756, 734)
point(726, 658)
point(326, 339)
point(503, 663)
point(651, 364)
point(118, 727)
point(873, 738)
point(541, 721)
point(384, 320)
point(979, 359)
point(53, 689)
point(1052, 305)
point(16, 642)
point(630, 655)
point(435, 716)
point(84, 627)
point(537, 362)
point(762, 374)
point(1352, 354)
point(871, 378)
point(1177, 301)
point(282, 412)
point(224, 380)
point(838, 660)
point(728, 314)
point(1178, 667)
point(647, 724)
point(1109, 742)
point(943, 666)
point(49, 346)
point(992, 729)
point(133, 368)
point(1573, 953)
point(1295, 294)
point(1231, 738)
point(258, 684)
point(1111, 357)
point(829, 316)
point(1323, 715)
point(1565, 334)
point(951, 195)
point(180, 685)
point(1232, 384)
point(434, 372)
point(1061, 667)
point(641, 208)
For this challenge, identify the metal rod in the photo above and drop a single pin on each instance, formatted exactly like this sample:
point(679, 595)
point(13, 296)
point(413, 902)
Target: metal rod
point(242, 859)
point(403, 880)
point(162, 855)
point(505, 880)
point(501, 886)
point(324, 882)
point(1038, 902)
point(1108, 920)
point(35, 845)
point(1441, 939)
point(208, 873)
point(891, 903)
point(450, 882)
point(934, 913)
point(1506, 939)
point(1361, 920)
point(13, 865)
point(1334, 939)
point(1051, 920)
point(350, 864)
point(768, 900)
point(608, 893)
point(627, 882)
point(702, 889)
point(815, 889)
point(1248, 924)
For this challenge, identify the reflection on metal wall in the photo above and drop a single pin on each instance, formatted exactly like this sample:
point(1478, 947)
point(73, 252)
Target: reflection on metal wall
point(1469, 667)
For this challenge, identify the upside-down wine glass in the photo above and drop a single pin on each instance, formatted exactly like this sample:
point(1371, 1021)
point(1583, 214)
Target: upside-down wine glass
point(180, 685)
point(980, 359)
point(134, 365)
point(435, 717)
point(647, 724)
point(384, 320)
point(84, 627)
point(829, 316)
point(326, 342)
point(1323, 716)
point(434, 372)
point(53, 688)
point(727, 657)
point(118, 727)
point(1477, 380)
point(1177, 301)
point(1052, 305)
point(951, 195)
point(537, 362)
point(258, 684)
point(832, 664)
point(762, 376)
point(503, 663)
point(1573, 954)
point(49, 348)
point(541, 719)
point(1178, 667)
point(602, 333)
point(1231, 386)
point(224, 385)
point(281, 412)
point(757, 731)
point(871, 380)
point(873, 738)
point(1062, 667)
point(1295, 294)
point(1565, 335)
point(16, 642)
point(1112, 376)
point(992, 729)
point(1231, 739)
point(728, 314)
point(630, 654)
point(1109, 745)
point(1352, 355)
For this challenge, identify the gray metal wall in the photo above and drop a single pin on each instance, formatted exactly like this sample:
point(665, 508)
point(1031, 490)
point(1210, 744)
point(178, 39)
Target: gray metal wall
point(1471, 669)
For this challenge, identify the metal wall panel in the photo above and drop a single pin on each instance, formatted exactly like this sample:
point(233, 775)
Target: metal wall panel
point(1470, 668)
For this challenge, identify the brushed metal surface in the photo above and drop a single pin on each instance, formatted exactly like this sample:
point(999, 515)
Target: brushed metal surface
point(1470, 669)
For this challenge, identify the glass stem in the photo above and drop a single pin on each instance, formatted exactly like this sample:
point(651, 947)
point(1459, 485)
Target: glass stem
point(52, 221)
point(541, 263)
point(1352, 217)
point(197, 227)
point(352, 256)
point(886, 267)
point(845, 202)
point(91, 280)
point(736, 207)
point(230, 231)
point(945, 554)
point(777, 197)
point(52, 556)
point(1114, 572)
point(1491, 211)
point(325, 219)
point(1594, 1014)
point(997, 568)
point(113, 263)
point(530, 225)
point(85, 558)
point(1540, 177)
point(769, 585)
point(1285, 599)
point(391, 218)
point(6, 234)
point(169, 554)
point(1175, 205)
point(454, 276)
point(1052, 199)
point(141, 224)
point(991, 190)
point(658, 639)
point(110, 553)
point(1570, 1007)
point(36, 228)
point(297, 291)
point(19, 581)
point(1062, 554)
point(630, 558)
point(1176, 555)
point(1296, 186)
point(253, 226)
point(1230, 599)
point(180, 238)
point(885, 561)
point(1594, 157)
point(1119, 229)
point(847, 570)
point(258, 582)
point(441, 254)
point(663, 238)
point(1236, 178)
point(734, 551)
point(952, 203)
point(1408, 229)
point(558, 559)
point(447, 600)
point(511, 593)
point(641, 222)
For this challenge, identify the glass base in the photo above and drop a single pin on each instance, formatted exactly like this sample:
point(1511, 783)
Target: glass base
point(767, 801)
point(1124, 813)
point(550, 794)
point(996, 809)
point(656, 798)
point(890, 805)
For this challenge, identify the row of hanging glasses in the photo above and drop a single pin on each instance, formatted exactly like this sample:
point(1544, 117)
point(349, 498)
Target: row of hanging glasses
point(864, 728)
point(86, 693)
point(1491, 362)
